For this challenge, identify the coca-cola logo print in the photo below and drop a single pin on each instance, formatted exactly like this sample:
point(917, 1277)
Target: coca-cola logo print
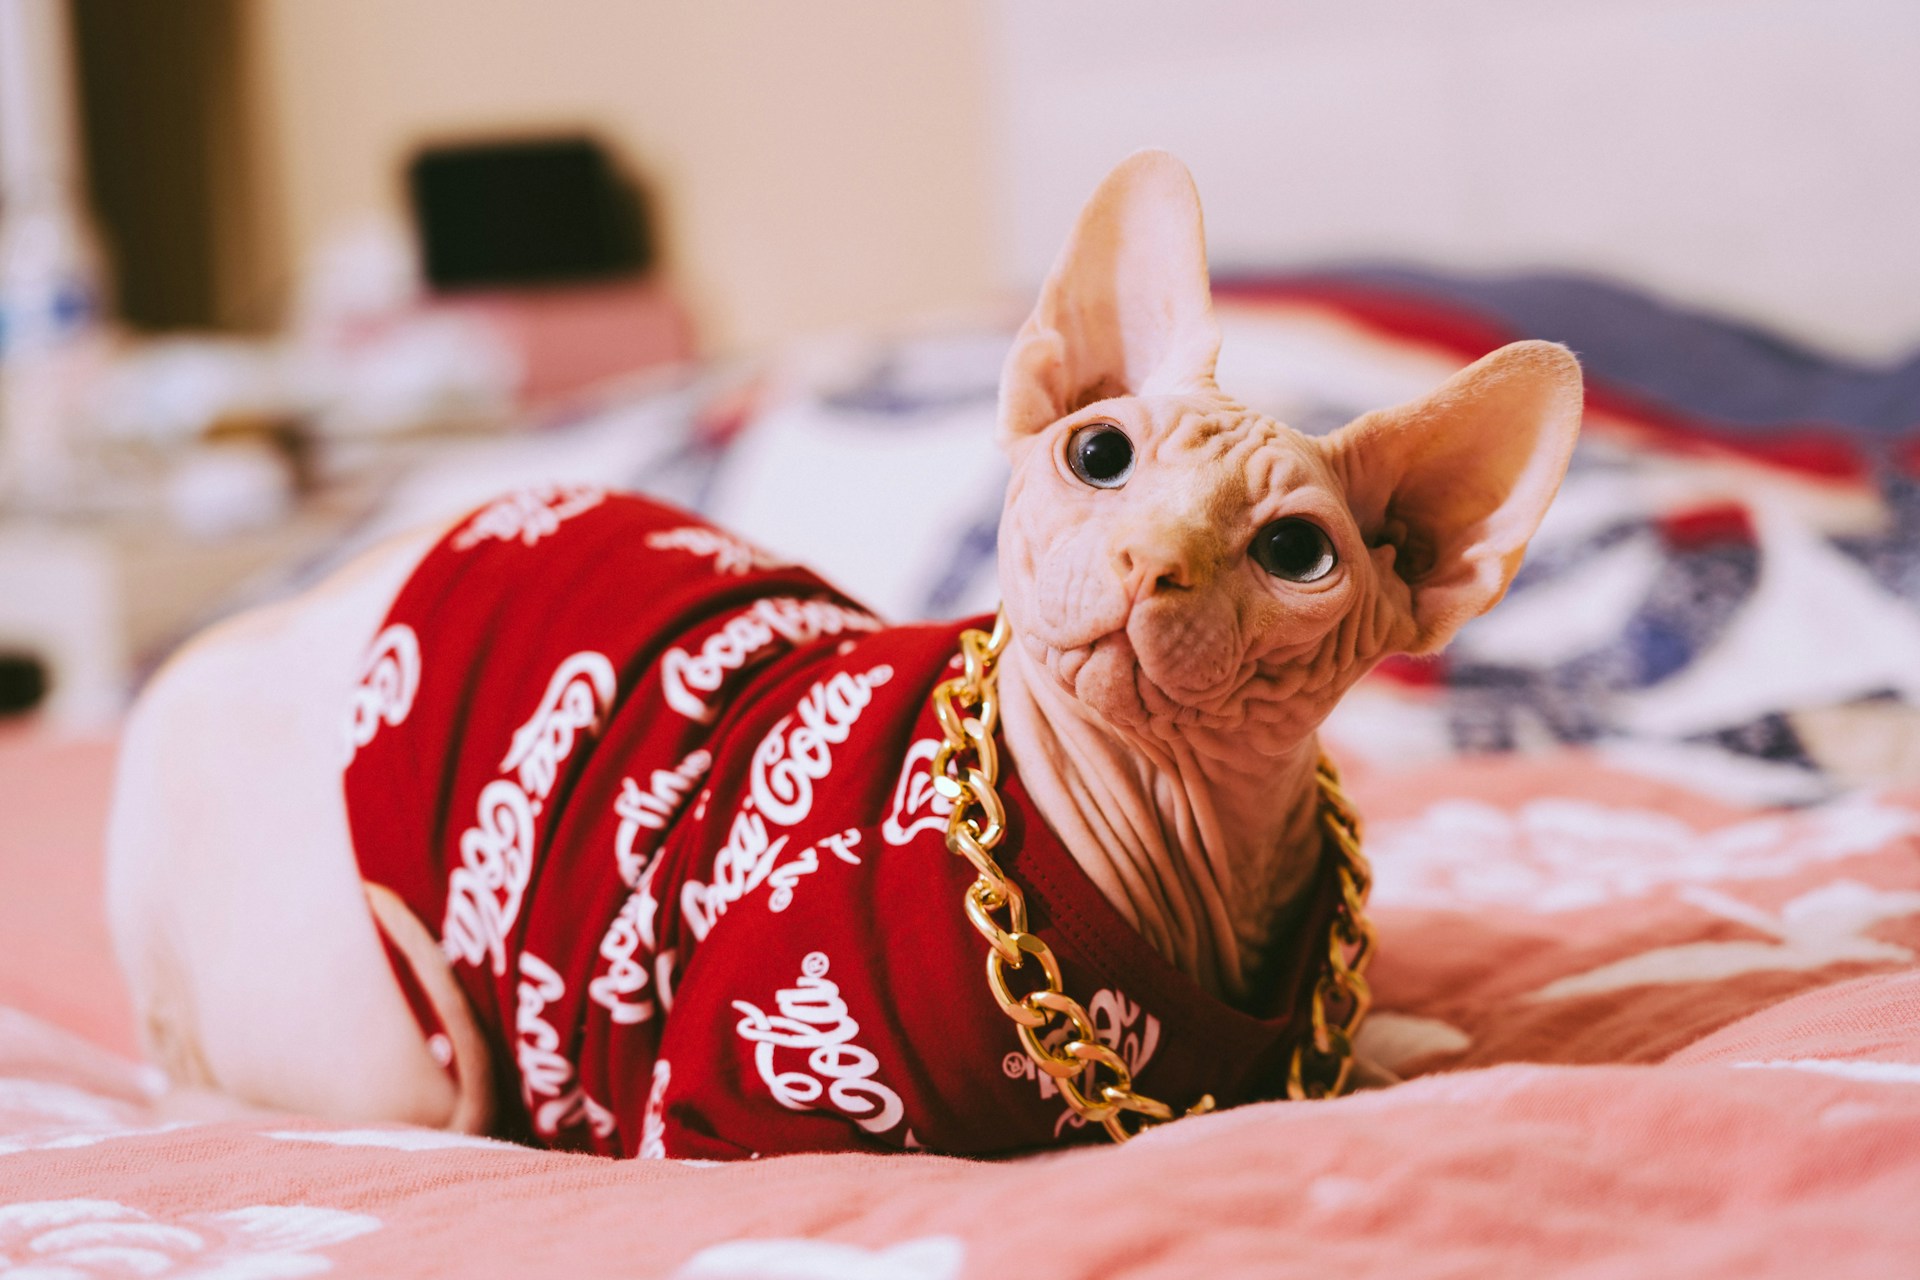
point(689, 680)
point(917, 806)
point(548, 1083)
point(805, 1053)
point(625, 948)
point(1122, 1025)
point(782, 879)
point(730, 555)
point(652, 809)
point(746, 863)
point(389, 679)
point(578, 691)
point(653, 1125)
point(795, 755)
point(740, 866)
point(486, 889)
point(529, 514)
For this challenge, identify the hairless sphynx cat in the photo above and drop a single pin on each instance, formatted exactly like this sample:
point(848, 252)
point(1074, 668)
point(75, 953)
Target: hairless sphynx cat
point(582, 822)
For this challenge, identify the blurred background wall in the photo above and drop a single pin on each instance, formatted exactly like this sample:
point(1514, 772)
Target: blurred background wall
point(810, 165)
point(825, 164)
point(181, 168)
point(1757, 157)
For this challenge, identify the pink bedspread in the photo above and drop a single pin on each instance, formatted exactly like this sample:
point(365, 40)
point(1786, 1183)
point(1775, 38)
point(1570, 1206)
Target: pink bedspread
point(1652, 1035)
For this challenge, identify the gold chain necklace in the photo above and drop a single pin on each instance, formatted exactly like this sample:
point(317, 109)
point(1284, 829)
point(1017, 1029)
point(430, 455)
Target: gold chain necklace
point(966, 770)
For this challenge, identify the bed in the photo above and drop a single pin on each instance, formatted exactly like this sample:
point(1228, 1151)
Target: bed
point(1647, 845)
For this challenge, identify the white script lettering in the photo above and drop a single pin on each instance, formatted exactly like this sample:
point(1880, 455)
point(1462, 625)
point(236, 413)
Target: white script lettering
point(653, 1126)
point(745, 864)
point(1118, 1022)
point(547, 1080)
point(730, 554)
point(917, 806)
point(485, 891)
point(652, 809)
point(813, 1017)
point(685, 677)
point(788, 762)
point(388, 681)
point(626, 976)
point(529, 514)
point(581, 688)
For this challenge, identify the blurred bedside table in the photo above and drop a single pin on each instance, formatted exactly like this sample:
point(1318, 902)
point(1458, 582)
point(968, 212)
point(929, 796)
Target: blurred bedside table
point(99, 602)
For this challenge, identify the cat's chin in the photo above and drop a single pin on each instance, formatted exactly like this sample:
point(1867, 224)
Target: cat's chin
point(1108, 677)
point(1104, 676)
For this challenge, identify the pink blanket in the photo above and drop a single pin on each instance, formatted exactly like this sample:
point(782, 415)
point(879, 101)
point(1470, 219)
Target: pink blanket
point(1652, 1035)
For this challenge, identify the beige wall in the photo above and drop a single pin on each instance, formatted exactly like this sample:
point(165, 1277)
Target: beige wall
point(1756, 157)
point(813, 164)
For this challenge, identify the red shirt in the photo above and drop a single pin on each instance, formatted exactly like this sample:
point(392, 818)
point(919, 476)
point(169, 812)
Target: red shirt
point(664, 802)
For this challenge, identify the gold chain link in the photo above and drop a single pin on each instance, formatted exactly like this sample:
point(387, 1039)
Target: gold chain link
point(1095, 1080)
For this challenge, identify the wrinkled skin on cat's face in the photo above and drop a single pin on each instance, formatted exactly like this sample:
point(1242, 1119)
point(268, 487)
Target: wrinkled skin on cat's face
point(1146, 601)
point(1144, 593)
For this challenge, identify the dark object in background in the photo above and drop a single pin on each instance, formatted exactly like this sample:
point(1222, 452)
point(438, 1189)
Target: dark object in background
point(524, 213)
point(23, 683)
point(185, 197)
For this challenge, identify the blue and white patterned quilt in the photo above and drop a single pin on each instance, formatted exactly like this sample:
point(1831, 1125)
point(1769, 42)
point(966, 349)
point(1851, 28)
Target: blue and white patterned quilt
point(1728, 587)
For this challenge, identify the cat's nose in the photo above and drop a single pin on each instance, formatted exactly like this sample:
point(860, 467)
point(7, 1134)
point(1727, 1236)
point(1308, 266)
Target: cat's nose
point(1152, 562)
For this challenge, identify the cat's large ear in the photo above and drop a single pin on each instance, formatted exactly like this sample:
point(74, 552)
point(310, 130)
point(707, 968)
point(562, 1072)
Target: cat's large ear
point(1458, 481)
point(1126, 309)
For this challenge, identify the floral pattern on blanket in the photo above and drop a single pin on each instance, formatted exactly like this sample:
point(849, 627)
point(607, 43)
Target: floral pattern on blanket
point(78, 1239)
point(1539, 940)
point(1570, 913)
point(1652, 1022)
point(39, 1115)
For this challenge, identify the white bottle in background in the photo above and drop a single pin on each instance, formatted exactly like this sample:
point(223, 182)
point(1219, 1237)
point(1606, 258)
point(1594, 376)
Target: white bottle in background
point(53, 335)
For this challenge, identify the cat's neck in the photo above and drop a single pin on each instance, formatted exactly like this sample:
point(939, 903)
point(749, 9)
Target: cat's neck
point(1201, 846)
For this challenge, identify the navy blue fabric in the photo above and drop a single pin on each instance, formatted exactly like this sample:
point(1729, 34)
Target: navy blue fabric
point(1701, 364)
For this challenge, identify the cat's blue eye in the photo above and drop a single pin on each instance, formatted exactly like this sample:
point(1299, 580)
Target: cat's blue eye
point(1295, 549)
point(1100, 454)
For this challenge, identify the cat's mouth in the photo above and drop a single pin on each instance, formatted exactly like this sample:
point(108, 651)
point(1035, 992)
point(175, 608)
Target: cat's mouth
point(1140, 673)
point(1103, 674)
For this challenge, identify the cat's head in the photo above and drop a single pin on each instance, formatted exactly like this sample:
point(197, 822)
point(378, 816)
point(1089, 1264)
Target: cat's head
point(1189, 568)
